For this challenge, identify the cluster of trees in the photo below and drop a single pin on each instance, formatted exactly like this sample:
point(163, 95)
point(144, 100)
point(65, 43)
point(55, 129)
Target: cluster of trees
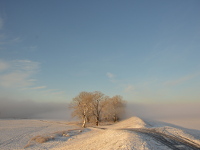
point(95, 107)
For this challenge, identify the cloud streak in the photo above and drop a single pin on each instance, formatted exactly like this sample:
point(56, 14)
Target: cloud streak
point(129, 88)
point(17, 73)
point(181, 80)
point(111, 76)
point(39, 87)
point(3, 65)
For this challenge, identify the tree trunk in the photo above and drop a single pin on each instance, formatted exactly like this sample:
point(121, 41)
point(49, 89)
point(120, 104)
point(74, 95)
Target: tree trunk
point(97, 121)
point(115, 118)
point(88, 119)
point(84, 122)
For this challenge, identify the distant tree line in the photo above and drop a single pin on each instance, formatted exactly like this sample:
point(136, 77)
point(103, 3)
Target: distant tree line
point(95, 107)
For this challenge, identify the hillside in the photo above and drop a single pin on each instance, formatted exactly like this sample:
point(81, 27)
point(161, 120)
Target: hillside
point(133, 133)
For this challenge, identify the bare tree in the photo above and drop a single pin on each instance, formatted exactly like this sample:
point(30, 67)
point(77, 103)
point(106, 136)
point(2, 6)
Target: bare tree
point(81, 106)
point(93, 106)
point(97, 105)
point(114, 108)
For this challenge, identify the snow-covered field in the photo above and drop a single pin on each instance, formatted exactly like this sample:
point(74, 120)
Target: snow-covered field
point(133, 133)
point(16, 134)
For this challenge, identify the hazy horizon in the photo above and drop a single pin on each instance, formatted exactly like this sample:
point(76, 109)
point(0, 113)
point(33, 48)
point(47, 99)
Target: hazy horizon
point(185, 115)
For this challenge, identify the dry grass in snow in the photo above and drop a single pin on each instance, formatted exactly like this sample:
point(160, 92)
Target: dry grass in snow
point(60, 135)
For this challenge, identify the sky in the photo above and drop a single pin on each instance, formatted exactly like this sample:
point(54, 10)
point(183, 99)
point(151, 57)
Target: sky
point(145, 51)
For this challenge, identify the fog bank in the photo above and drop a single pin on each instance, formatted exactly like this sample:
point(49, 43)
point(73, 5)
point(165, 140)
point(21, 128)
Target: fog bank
point(182, 114)
point(33, 110)
point(160, 111)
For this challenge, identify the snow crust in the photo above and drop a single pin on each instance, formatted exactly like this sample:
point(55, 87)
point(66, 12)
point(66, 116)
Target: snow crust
point(16, 134)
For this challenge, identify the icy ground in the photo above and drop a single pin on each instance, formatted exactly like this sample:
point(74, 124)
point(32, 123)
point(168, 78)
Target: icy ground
point(131, 134)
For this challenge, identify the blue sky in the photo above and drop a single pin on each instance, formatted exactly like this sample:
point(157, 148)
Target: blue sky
point(146, 51)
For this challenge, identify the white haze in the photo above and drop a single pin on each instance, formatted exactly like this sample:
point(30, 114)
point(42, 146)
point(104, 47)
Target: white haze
point(33, 110)
point(160, 111)
point(183, 114)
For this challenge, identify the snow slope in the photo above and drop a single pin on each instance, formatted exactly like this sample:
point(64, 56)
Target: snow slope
point(133, 133)
point(15, 134)
point(122, 136)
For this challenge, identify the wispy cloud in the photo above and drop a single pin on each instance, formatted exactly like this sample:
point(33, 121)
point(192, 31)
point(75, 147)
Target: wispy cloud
point(58, 93)
point(16, 40)
point(17, 73)
point(111, 76)
point(15, 79)
point(26, 66)
point(6, 39)
point(54, 94)
point(39, 87)
point(3, 65)
point(31, 48)
point(181, 80)
point(129, 88)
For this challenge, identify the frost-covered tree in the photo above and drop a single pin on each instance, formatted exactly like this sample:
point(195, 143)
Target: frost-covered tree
point(81, 106)
point(95, 106)
point(114, 108)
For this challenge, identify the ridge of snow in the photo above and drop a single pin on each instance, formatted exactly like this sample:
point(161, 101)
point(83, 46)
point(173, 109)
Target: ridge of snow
point(133, 122)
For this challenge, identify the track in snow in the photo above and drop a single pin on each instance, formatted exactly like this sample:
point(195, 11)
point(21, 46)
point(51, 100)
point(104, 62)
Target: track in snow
point(173, 142)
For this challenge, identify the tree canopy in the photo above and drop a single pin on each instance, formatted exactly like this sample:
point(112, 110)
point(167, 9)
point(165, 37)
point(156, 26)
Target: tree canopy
point(96, 107)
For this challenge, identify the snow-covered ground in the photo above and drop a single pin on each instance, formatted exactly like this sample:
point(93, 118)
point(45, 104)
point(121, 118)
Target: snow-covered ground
point(133, 133)
point(16, 134)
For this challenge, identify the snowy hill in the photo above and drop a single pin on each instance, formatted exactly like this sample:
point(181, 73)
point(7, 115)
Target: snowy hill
point(133, 133)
